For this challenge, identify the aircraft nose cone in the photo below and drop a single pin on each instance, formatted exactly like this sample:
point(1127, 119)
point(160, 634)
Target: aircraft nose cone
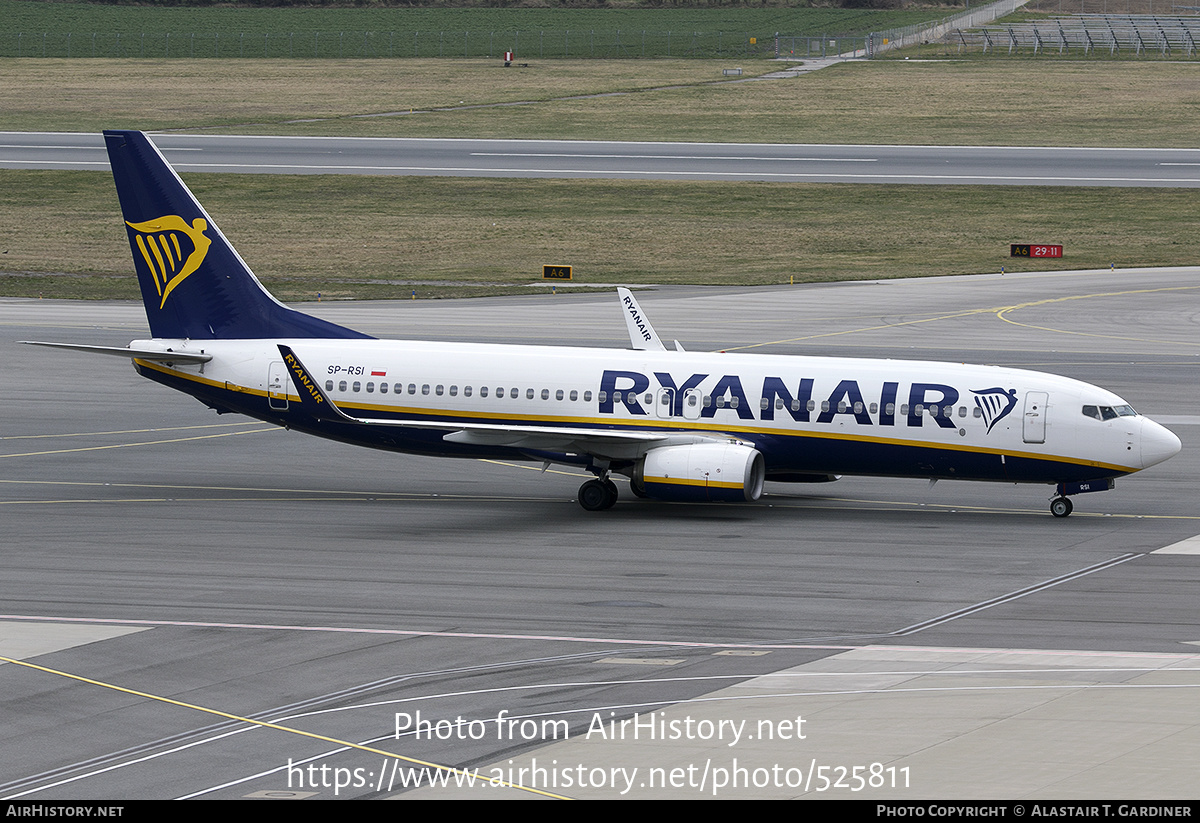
point(1158, 443)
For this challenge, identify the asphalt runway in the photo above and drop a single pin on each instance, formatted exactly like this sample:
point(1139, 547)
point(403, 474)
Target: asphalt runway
point(934, 165)
point(866, 638)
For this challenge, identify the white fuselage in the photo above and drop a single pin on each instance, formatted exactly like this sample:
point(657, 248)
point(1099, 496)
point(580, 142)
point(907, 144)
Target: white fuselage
point(805, 414)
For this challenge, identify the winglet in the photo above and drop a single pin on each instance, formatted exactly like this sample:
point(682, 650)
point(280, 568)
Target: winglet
point(313, 400)
point(641, 333)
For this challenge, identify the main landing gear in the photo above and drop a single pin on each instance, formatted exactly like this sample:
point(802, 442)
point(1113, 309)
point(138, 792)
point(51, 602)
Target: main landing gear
point(598, 495)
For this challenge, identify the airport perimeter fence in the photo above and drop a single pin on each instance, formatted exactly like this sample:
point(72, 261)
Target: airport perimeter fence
point(1112, 35)
point(920, 33)
point(525, 45)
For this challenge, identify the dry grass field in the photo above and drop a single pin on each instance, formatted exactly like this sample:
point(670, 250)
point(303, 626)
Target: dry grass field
point(364, 237)
point(995, 102)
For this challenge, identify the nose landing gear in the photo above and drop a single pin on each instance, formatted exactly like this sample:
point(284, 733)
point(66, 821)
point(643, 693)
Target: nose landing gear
point(1060, 505)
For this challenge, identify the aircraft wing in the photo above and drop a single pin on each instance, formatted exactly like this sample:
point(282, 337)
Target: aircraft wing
point(610, 443)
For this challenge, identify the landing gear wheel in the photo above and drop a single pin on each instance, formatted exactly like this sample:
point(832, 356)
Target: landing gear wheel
point(1061, 507)
point(597, 495)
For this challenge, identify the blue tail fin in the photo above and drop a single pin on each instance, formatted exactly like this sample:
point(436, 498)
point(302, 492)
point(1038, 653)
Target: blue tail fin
point(193, 283)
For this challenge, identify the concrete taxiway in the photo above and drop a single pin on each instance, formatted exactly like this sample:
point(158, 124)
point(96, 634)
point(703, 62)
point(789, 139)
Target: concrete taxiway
point(174, 574)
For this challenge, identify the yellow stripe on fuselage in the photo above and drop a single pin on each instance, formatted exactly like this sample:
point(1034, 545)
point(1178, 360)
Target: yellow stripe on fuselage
point(653, 424)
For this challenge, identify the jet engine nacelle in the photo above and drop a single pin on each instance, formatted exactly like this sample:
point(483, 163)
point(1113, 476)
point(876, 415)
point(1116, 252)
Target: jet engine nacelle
point(729, 472)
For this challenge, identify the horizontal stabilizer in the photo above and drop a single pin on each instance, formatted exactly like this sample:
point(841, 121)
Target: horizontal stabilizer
point(157, 355)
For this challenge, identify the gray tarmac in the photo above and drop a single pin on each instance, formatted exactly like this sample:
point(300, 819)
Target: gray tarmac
point(866, 638)
point(931, 165)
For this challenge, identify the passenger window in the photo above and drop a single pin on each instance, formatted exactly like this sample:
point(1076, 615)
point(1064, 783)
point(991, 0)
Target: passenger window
point(483, 391)
point(383, 388)
point(454, 391)
point(328, 385)
point(412, 388)
point(733, 402)
point(356, 387)
point(371, 388)
point(587, 397)
point(574, 395)
point(890, 409)
point(602, 396)
point(529, 394)
point(721, 402)
point(341, 385)
point(795, 405)
point(466, 391)
point(824, 405)
point(514, 393)
point(440, 390)
point(812, 405)
point(425, 389)
point(874, 408)
point(545, 394)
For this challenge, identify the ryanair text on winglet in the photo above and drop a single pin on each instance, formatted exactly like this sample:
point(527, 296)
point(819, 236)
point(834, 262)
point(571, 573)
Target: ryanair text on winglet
point(302, 377)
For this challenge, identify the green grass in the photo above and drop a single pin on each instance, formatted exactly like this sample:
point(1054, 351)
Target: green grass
point(40, 29)
point(380, 237)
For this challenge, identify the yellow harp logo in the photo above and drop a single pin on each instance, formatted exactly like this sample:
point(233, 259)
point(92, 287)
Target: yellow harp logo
point(171, 261)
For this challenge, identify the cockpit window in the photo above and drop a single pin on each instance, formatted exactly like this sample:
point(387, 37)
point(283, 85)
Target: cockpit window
point(1108, 412)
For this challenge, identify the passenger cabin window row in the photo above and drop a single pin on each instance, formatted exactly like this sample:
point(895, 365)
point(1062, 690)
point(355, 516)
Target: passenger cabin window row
point(440, 390)
point(500, 392)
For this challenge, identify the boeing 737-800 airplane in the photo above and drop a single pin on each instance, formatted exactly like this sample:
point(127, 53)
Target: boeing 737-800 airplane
point(679, 425)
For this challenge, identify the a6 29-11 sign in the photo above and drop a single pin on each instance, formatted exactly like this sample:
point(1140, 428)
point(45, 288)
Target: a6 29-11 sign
point(1034, 250)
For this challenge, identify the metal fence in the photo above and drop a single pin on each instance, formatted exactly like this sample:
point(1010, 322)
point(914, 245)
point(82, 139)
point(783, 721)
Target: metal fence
point(919, 33)
point(526, 45)
point(1088, 34)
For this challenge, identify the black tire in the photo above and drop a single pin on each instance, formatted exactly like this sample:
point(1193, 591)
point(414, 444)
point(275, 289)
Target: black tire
point(1061, 507)
point(595, 495)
